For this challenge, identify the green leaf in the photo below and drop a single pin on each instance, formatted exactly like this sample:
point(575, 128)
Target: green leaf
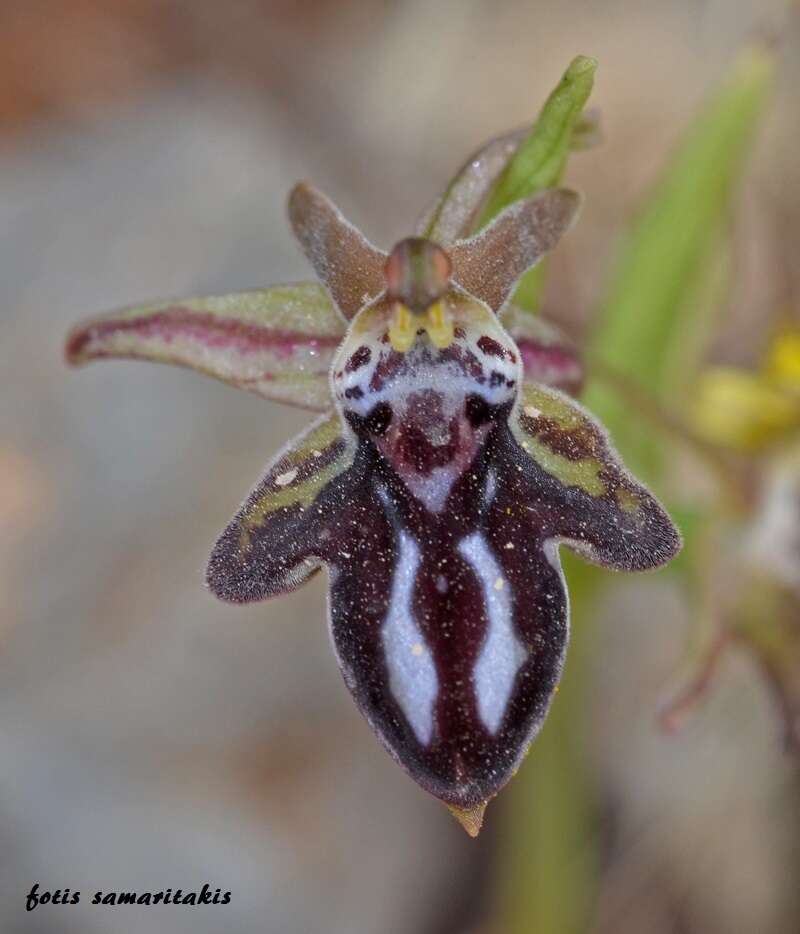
point(661, 263)
point(515, 166)
point(540, 159)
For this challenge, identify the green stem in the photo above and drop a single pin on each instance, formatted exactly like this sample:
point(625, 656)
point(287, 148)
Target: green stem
point(548, 868)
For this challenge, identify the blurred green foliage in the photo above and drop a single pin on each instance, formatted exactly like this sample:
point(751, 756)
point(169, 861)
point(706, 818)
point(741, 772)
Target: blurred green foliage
point(665, 288)
point(646, 331)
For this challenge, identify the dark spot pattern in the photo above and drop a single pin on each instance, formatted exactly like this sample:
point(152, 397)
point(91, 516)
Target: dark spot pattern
point(493, 348)
point(359, 358)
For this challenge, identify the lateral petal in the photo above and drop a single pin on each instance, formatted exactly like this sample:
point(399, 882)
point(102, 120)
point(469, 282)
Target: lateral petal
point(286, 526)
point(573, 481)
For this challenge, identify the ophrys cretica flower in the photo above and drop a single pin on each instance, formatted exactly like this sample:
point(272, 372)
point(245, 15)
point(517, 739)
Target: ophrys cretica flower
point(440, 480)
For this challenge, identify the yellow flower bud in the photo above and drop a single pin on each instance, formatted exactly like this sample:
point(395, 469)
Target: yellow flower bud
point(743, 410)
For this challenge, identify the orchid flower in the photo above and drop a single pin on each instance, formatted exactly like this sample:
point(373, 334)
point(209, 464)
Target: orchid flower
point(446, 469)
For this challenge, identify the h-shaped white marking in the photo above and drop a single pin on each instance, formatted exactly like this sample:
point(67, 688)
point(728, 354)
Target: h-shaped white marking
point(502, 653)
point(412, 673)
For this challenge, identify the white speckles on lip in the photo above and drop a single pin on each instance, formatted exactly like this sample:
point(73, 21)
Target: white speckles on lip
point(531, 411)
point(284, 479)
point(491, 487)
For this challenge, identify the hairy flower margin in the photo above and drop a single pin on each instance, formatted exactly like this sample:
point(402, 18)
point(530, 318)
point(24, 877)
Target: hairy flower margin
point(448, 465)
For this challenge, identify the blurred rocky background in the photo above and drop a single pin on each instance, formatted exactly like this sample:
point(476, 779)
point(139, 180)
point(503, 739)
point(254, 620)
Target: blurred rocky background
point(152, 737)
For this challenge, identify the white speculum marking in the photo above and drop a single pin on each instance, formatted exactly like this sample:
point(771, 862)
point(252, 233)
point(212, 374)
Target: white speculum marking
point(412, 674)
point(423, 369)
point(502, 653)
point(491, 487)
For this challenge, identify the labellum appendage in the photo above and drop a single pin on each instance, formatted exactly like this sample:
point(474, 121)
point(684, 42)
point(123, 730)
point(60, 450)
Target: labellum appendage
point(437, 486)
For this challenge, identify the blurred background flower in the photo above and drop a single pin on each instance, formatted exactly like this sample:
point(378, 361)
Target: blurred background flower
point(152, 737)
point(751, 410)
point(752, 580)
